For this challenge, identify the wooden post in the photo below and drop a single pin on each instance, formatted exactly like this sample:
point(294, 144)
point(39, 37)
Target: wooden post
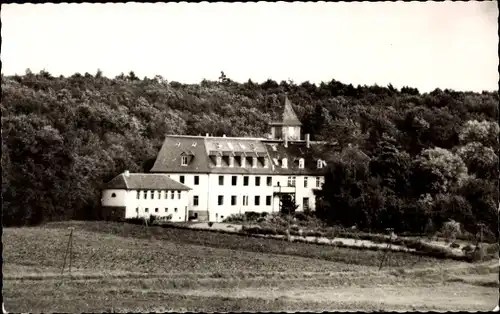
point(70, 249)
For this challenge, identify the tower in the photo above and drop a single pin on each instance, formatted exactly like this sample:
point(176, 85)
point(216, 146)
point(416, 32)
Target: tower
point(289, 126)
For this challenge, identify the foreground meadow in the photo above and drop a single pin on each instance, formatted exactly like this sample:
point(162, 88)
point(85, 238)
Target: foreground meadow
point(123, 268)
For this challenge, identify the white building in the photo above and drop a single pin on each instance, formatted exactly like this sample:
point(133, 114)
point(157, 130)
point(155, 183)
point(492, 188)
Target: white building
point(131, 195)
point(231, 175)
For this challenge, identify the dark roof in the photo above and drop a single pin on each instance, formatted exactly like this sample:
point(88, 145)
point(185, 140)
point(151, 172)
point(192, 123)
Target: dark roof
point(288, 116)
point(207, 148)
point(145, 181)
point(169, 157)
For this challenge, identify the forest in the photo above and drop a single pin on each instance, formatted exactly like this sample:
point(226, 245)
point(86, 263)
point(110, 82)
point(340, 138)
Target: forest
point(408, 160)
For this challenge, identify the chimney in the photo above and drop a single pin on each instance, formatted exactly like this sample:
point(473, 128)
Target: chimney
point(308, 142)
point(126, 173)
point(286, 140)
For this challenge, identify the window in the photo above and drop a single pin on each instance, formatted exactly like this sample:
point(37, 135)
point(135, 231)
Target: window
point(145, 194)
point(268, 200)
point(195, 200)
point(233, 200)
point(181, 179)
point(166, 209)
point(175, 210)
point(172, 195)
point(269, 181)
point(317, 182)
point(138, 194)
point(305, 182)
point(156, 210)
point(196, 180)
point(291, 181)
point(179, 195)
point(234, 180)
point(245, 200)
point(305, 203)
point(184, 161)
point(166, 194)
point(301, 163)
point(284, 163)
point(257, 181)
point(113, 195)
point(159, 194)
point(320, 164)
point(221, 180)
point(257, 200)
point(254, 162)
point(245, 180)
point(220, 200)
point(146, 210)
point(137, 209)
point(151, 193)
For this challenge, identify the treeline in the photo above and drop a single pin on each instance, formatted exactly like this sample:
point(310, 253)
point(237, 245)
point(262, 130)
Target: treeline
point(414, 157)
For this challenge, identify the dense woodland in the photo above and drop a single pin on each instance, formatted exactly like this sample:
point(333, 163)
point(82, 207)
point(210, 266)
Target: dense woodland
point(416, 160)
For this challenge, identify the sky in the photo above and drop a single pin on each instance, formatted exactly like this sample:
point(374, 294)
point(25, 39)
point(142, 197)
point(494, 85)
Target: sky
point(426, 45)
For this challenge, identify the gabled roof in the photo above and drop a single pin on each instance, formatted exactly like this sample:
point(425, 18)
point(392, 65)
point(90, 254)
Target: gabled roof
point(145, 181)
point(288, 116)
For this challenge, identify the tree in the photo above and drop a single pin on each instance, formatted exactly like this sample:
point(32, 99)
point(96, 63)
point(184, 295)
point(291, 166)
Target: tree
point(480, 160)
point(437, 170)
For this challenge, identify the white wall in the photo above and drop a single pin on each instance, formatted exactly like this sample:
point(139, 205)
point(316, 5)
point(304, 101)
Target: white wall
point(201, 190)
point(209, 189)
point(137, 207)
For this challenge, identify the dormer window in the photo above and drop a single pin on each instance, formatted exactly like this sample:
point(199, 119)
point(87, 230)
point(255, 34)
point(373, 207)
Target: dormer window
point(218, 160)
point(284, 163)
point(320, 164)
point(184, 161)
point(254, 162)
point(301, 163)
point(231, 161)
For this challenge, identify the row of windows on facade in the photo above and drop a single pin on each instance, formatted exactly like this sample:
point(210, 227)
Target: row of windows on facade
point(243, 161)
point(158, 194)
point(146, 210)
point(234, 200)
point(246, 179)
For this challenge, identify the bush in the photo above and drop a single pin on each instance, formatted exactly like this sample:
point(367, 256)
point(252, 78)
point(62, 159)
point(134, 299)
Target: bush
point(210, 224)
point(492, 248)
point(235, 218)
point(261, 219)
point(454, 245)
point(467, 249)
point(252, 216)
point(301, 216)
point(478, 254)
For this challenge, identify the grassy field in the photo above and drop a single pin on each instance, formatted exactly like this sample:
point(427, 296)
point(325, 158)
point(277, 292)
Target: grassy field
point(123, 268)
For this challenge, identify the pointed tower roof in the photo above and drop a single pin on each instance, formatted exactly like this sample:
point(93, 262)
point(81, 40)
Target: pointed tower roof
point(288, 116)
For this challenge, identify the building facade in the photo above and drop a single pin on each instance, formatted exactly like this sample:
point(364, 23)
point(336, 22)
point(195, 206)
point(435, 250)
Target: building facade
point(135, 195)
point(229, 175)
